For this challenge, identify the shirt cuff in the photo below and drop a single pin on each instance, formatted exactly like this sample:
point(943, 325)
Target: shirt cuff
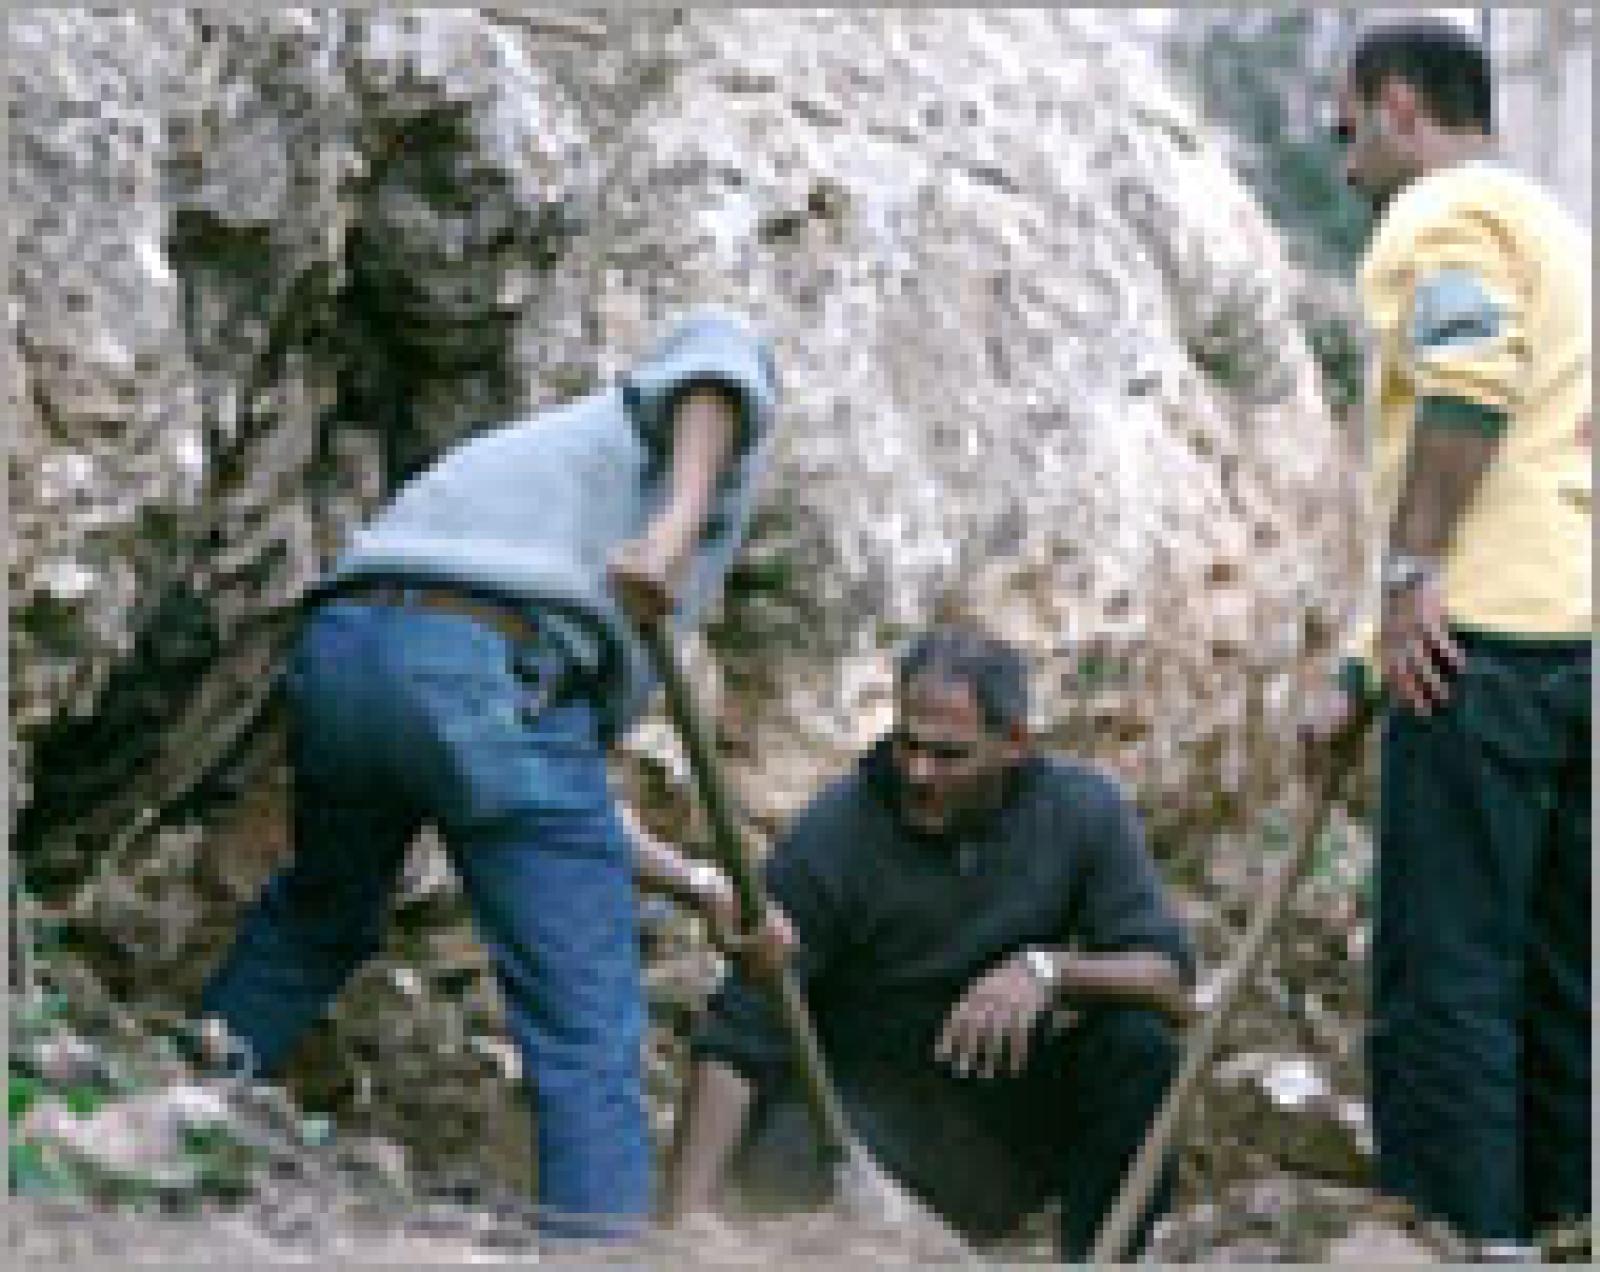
point(1459, 414)
point(1356, 679)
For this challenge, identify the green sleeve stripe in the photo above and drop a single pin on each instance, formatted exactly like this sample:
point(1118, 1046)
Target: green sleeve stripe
point(1461, 415)
point(1356, 677)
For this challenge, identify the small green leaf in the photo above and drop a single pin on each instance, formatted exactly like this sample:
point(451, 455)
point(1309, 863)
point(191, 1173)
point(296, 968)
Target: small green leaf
point(21, 1092)
point(201, 1140)
point(83, 1101)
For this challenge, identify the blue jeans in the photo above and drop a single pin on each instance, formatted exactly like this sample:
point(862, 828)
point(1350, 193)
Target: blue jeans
point(401, 716)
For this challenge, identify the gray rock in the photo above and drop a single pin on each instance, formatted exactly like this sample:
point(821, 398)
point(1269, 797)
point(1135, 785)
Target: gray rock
point(1038, 342)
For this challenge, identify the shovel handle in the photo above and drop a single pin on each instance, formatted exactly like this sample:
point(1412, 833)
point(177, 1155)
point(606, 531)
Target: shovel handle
point(1200, 1046)
point(733, 852)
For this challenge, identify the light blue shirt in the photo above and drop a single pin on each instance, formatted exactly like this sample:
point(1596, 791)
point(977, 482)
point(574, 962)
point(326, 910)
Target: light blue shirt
point(532, 510)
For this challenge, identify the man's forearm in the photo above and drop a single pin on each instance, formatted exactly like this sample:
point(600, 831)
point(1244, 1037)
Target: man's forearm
point(704, 425)
point(1138, 977)
point(659, 867)
point(1453, 446)
point(710, 1126)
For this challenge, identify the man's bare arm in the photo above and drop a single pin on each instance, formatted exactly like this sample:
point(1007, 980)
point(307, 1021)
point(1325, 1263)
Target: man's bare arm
point(645, 571)
point(990, 1028)
point(706, 888)
point(1452, 447)
point(659, 867)
point(705, 425)
point(1141, 978)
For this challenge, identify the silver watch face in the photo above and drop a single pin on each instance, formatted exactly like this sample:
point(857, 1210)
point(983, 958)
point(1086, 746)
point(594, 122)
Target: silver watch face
point(1400, 573)
point(703, 876)
point(1041, 965)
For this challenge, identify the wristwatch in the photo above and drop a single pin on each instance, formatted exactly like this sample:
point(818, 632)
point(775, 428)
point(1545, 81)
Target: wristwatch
point(1044, 965)
point(1402, 572)
point(701, 879)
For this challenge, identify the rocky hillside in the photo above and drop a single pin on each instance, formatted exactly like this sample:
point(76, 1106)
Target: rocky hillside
point(1038, 344)
point(1043, 358)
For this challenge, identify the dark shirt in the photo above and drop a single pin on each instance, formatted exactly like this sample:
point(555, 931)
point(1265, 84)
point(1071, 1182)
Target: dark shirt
point(895, 925)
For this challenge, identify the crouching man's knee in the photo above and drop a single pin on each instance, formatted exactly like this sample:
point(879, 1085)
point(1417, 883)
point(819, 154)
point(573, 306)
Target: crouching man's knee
point(1122, 1043)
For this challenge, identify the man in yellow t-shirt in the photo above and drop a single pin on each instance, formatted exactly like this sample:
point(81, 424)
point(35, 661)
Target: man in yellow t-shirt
point(1476, 287)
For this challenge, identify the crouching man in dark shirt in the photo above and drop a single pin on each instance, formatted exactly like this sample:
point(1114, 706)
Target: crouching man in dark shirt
point(990, 961)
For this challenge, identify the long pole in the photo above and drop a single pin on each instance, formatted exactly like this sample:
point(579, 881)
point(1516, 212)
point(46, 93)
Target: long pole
point(1329, 767)
point(733, 851)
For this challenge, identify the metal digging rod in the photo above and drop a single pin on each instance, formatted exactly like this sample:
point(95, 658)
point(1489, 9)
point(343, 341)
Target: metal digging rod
point(1329, 766)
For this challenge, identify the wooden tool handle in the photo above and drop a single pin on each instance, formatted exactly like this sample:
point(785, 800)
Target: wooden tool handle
point(1330, 765)
point(733, 852)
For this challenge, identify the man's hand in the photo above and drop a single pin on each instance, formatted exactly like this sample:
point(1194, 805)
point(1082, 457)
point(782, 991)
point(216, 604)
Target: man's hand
point(1416, 653)
point(760, 953)
point(643, 576)
point(1328, 712)
point(995, 1016)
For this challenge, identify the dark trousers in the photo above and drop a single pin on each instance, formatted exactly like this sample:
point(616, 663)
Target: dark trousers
point(984, 1153)
point(1480, 1049)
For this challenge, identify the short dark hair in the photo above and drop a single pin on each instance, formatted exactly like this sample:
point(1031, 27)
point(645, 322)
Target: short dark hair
point(963, 653)
point(1440, 59)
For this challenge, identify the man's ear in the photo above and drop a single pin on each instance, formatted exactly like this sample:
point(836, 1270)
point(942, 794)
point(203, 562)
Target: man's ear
point(1398, 103)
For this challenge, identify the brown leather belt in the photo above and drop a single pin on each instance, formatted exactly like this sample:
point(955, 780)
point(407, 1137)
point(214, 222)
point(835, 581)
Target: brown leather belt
point(515, 627)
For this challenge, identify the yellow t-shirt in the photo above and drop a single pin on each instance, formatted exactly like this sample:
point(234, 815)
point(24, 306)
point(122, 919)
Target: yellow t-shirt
point(1477, 288)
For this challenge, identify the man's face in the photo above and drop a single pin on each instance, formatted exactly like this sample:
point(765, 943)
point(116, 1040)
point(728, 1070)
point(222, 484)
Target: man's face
point(1376, 159)
point(950, 763)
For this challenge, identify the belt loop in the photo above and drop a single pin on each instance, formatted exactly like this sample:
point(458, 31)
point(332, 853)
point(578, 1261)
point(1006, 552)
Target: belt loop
point(544, 674)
